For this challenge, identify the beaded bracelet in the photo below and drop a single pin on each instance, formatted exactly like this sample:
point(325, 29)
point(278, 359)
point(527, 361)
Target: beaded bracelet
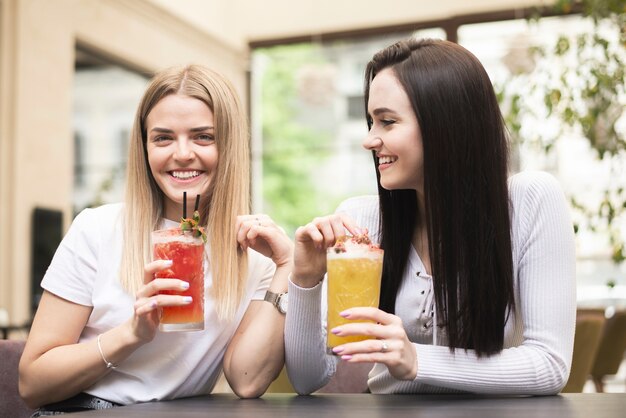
point(107, 362)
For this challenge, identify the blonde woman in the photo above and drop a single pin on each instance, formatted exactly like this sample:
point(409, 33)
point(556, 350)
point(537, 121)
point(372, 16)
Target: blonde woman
point(95, 341)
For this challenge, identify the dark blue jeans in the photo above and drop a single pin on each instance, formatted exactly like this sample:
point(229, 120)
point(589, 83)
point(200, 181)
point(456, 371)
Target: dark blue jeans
point(80, 402)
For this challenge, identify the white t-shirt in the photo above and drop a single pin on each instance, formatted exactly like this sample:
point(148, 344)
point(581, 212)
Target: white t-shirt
point(538, 337)
point(85, 271)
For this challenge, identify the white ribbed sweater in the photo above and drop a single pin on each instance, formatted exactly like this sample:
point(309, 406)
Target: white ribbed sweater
point(538, 337)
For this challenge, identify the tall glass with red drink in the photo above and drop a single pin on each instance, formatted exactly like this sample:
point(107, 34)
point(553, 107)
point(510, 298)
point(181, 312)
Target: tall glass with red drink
point(187, 254)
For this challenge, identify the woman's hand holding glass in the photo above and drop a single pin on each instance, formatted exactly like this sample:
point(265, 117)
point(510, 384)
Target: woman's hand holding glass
point(391, 346)
point(149, 302)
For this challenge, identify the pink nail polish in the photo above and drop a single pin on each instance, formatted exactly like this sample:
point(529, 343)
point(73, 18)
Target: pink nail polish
point(335, 331)
point(344, 314)
point(346, 357)
point(337, 350)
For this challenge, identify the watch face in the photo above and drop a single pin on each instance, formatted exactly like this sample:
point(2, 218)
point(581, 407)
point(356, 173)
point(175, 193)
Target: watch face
point(283, 302)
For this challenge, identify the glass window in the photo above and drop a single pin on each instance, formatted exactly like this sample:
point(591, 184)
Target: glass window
point(308, 120)
point(105, 99)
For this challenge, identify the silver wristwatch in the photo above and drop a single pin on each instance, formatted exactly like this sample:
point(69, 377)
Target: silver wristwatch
point(279, 300)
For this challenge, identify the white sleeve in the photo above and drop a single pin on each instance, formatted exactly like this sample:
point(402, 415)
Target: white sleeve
point(72, 272)
point(264, 269)
point(546, 307)
point(308, 366)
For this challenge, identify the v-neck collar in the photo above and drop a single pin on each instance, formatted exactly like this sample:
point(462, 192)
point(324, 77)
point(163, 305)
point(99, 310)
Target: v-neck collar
point(416, 264)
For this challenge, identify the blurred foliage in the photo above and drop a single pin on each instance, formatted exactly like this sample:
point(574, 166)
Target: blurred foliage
point(597, 10)
point(582, 87)
point(291, 149)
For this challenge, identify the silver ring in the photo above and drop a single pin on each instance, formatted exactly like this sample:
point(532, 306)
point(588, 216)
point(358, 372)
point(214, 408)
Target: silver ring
point(384, 347)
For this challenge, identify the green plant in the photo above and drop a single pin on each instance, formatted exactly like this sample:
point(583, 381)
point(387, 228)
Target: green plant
point(577, 85)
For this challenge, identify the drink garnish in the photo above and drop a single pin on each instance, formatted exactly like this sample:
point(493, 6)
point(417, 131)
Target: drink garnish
point(192, 224)
point(359, 240)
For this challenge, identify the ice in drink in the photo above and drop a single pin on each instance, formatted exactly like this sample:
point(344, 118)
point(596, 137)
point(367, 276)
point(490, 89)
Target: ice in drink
point(187, 254)
point(354, 267)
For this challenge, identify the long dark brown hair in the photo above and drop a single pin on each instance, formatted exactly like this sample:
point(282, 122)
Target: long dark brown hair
point(465, 192)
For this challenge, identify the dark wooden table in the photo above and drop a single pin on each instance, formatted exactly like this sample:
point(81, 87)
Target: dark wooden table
point(608, 405)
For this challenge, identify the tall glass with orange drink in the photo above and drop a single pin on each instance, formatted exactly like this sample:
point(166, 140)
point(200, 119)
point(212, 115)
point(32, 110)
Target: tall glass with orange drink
point(187, 254)
point(354, 267)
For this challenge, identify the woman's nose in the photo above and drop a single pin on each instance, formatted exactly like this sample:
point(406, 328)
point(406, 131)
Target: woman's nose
point(372, 142)
point(183, 150)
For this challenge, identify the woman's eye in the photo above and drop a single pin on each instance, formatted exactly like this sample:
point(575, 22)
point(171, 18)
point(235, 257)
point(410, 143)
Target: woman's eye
point(387, 122)
point(205, 137)
point(161, 138)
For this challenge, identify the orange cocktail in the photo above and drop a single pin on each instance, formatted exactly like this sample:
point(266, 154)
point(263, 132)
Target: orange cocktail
point(354, 269)
point(187, 254)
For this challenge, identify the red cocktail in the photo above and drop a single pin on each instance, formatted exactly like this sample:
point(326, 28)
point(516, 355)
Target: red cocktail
point(187, 254)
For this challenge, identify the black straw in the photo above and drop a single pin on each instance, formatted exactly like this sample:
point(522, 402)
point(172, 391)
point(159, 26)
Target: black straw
point(184, 205)
point(197, 205)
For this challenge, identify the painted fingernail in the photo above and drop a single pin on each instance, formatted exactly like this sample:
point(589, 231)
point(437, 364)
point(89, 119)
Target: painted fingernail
point(344, 314)
point(337, 350)
point(153, 304)
point(335, 331)
point(168, 263)
point(187, 299)
point(346, 357)
point(184, 285)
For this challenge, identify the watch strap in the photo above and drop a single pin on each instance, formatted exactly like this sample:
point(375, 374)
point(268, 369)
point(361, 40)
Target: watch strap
point(274, 299)
point(271, 297)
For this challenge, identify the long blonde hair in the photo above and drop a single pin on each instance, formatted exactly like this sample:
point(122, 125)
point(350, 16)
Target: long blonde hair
point(227, 197)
